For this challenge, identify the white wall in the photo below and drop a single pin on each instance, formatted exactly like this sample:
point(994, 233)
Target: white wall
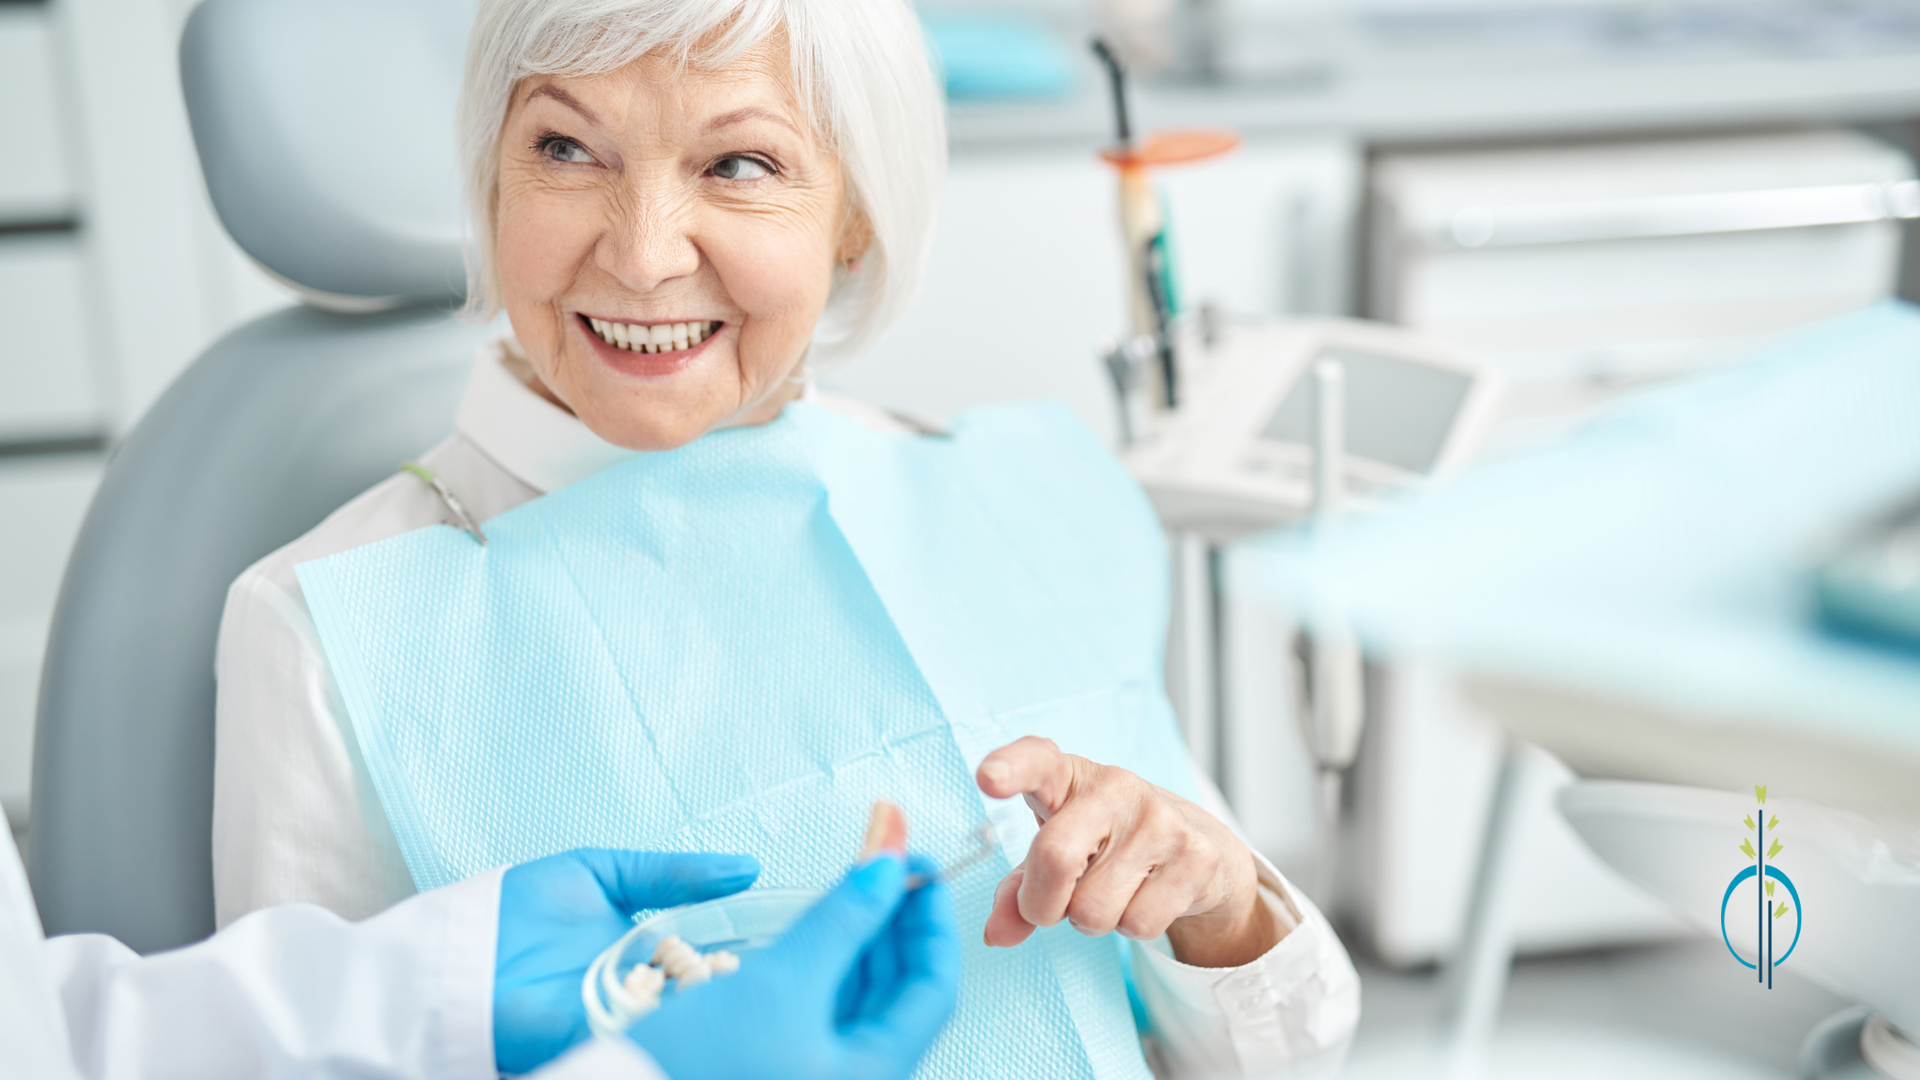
point(1027, 276)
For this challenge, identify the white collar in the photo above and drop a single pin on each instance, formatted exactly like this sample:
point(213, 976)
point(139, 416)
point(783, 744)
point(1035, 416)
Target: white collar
point(541, 444)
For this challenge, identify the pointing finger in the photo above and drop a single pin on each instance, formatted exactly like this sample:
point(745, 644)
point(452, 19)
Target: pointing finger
point(1033, 767)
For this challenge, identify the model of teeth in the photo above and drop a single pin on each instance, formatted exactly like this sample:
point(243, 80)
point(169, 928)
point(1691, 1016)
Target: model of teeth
point(673, 959)
point(657, 338)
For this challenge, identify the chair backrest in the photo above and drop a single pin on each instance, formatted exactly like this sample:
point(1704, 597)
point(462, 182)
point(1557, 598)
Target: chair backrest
point(325, 131)
point(275, 426)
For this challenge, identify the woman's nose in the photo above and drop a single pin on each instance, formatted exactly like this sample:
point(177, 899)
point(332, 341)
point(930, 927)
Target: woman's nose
point(651, 240)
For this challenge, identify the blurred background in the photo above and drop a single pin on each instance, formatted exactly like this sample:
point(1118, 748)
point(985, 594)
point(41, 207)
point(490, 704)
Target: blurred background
point(1382, 143)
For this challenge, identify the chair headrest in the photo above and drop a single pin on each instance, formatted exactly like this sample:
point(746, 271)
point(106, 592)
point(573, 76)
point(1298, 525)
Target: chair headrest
point(326, 134)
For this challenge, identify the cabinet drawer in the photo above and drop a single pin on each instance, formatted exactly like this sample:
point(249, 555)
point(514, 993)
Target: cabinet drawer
point(42, 500)
point(48, 384)
point(36, 173)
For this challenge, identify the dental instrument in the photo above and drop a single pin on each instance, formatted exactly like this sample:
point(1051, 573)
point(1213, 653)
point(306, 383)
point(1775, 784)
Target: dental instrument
point(746, 921)
point(1153, 298)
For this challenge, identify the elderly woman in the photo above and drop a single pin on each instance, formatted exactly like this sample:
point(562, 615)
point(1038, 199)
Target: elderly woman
point(715, 608)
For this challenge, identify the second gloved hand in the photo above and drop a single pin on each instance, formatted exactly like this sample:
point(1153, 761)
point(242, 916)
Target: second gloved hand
point(558, 913)
point(856, 990)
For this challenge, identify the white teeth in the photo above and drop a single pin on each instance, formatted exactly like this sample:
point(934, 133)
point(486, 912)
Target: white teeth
point(658, 338)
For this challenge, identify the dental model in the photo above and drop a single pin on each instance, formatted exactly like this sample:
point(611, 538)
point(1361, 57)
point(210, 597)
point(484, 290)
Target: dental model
point(644, 983)
point(673, 959)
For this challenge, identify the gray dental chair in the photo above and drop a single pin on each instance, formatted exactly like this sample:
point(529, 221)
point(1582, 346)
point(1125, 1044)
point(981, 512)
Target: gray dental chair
point(325, 132)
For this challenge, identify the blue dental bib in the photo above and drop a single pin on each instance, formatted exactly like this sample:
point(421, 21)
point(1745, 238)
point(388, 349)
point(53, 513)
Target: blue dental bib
point(740, 644)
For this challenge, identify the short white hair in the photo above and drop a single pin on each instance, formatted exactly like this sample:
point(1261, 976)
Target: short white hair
point(860, 72)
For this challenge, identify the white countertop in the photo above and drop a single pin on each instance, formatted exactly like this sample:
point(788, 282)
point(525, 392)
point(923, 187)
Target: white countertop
point(1401, 80)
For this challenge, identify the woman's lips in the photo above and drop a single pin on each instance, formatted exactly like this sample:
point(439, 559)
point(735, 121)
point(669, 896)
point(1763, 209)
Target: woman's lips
point(653, 365)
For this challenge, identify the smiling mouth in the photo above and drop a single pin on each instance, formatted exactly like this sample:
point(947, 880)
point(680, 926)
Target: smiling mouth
point(657, 338)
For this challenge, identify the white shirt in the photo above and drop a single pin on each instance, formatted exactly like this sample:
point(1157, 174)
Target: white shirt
point(290, 992)
point(296, 819)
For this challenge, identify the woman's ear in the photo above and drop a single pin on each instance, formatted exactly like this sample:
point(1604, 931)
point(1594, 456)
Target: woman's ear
point(856, 236)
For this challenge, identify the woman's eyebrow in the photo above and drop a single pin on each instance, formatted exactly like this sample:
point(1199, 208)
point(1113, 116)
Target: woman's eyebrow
point(751, 112)
point(564, 98)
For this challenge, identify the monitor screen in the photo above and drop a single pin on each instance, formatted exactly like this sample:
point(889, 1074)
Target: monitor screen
point(1398, 411)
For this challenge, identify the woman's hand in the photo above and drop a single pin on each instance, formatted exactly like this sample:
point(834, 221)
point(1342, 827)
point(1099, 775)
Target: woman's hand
point(1117, 853)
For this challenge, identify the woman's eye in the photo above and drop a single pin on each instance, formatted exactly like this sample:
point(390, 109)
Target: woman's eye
point(740, 168)
point(566, 150)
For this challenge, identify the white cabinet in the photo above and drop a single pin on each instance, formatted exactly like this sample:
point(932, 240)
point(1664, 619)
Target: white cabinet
point(43, 498)
point(48, 381)
point(1583, 269)
point(36, 144)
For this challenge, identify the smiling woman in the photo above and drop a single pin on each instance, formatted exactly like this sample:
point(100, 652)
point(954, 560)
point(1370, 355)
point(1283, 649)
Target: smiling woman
point(674, 190)
point(822, 109)
point(718, 608)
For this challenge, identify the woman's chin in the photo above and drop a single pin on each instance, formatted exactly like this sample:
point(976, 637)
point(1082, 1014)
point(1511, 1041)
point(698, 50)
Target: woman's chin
point(652, 425)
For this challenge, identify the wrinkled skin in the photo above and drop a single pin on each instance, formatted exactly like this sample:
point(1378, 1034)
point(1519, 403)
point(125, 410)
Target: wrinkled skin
point(1116, 853)
point(656, 193)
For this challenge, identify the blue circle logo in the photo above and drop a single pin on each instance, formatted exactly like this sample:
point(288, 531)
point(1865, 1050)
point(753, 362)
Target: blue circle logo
point(1774, 873)
point(1765, 876)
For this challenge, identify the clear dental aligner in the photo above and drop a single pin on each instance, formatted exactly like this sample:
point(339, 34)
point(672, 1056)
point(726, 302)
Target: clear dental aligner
point(672, 959)
point(657, 338)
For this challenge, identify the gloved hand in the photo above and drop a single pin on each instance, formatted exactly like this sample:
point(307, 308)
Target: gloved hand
point(857, 989)
point(558, 913)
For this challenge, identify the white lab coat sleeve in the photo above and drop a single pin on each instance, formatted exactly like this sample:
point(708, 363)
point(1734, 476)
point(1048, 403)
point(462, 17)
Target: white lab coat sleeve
point(1291, 1012)
point(603, 1059)
point(294, 991)
point(33, 1033)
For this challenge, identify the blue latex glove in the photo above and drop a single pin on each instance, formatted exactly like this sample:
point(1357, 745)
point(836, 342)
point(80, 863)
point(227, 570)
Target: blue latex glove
point(856, 990)
point(558, 913)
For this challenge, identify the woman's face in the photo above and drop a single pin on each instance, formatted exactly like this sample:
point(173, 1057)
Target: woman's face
point(688, 207)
